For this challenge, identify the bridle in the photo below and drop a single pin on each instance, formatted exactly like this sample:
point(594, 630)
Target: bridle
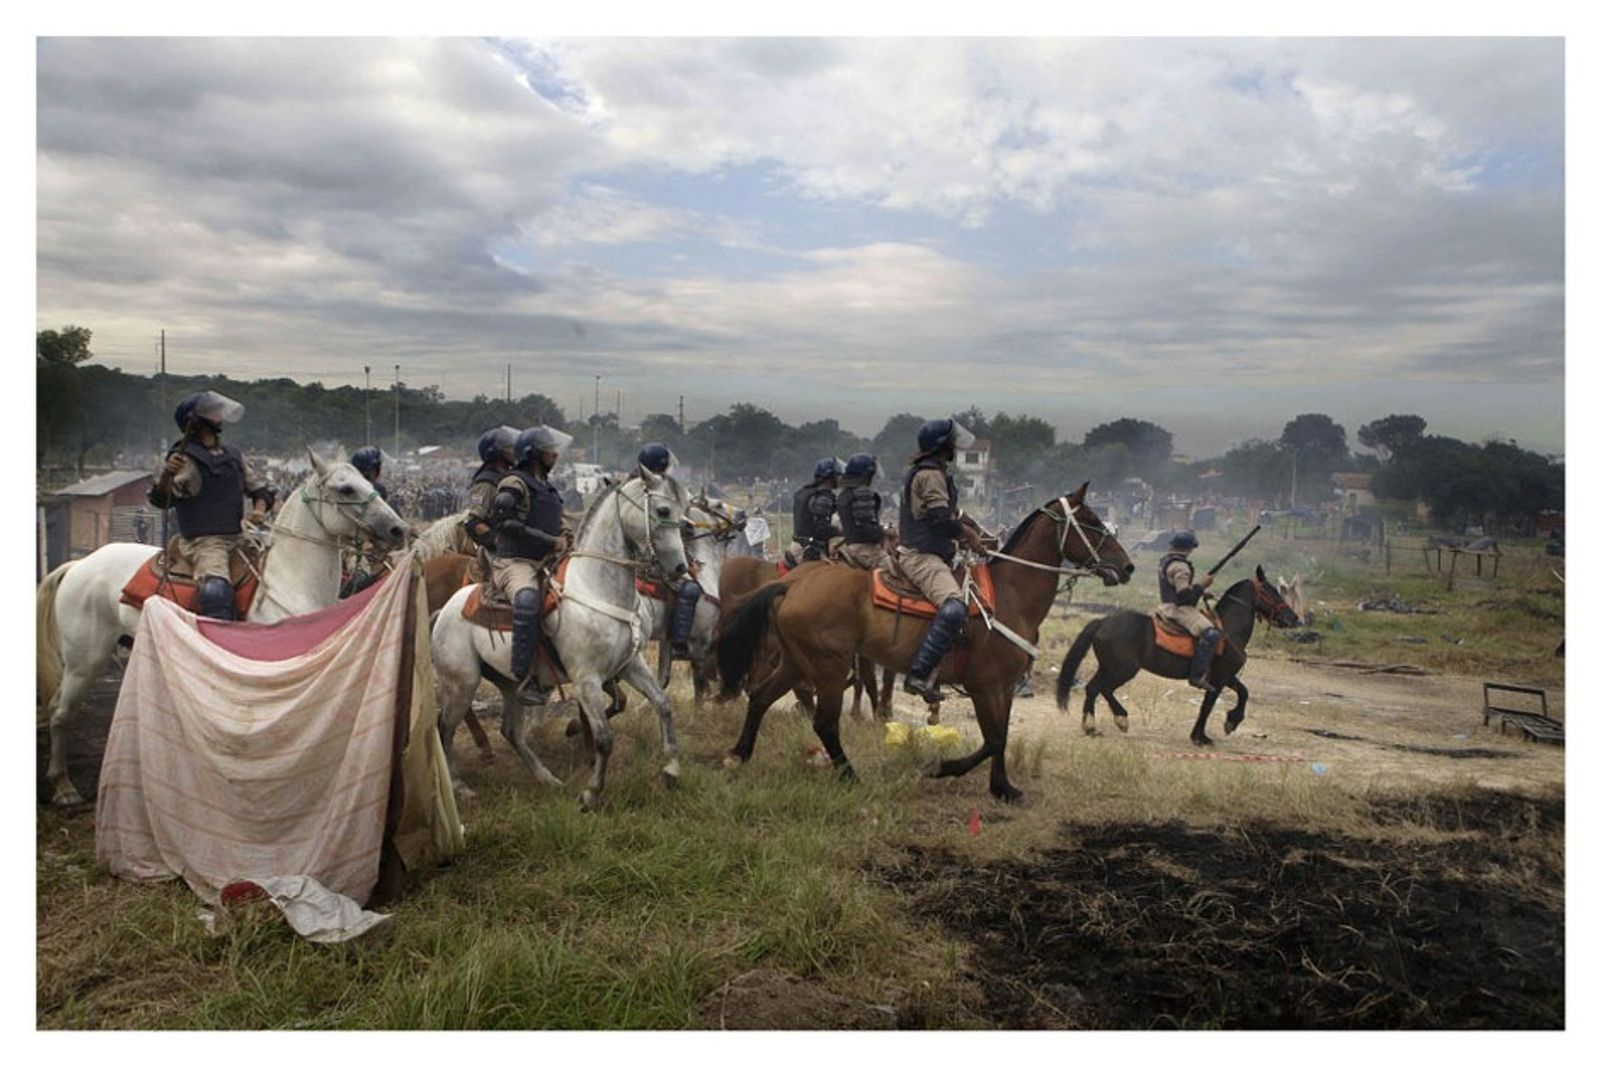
point(1066, 522)
point(645, 558)
point(1265, 604)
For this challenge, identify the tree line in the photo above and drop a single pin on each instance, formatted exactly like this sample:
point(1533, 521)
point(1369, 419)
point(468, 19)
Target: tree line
point(87, 414)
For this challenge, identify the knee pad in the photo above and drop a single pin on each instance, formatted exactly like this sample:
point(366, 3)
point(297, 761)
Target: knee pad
point(952, 613)
point(215, 598)
point(526, 601)
point(688, 592)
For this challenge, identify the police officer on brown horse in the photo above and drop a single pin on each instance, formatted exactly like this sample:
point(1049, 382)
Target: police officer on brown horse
point(815, 508)
point(1180, 596)
point(528, 526)
point(930, 527)
point(859, 510)
point(205, 481)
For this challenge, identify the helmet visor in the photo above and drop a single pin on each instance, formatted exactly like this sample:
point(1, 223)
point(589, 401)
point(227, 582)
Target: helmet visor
point(215, 407)
point(551, 440)
point(962, 436)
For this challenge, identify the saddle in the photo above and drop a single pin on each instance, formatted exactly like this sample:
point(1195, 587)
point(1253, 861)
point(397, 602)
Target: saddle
point(483, 609)
point(1177, 640)
point(167, 575)
point(893, 591)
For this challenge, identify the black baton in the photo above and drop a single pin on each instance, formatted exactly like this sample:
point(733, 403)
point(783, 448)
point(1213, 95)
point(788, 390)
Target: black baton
point(1221, 562)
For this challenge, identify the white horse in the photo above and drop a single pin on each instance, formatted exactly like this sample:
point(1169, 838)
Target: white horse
point(709, 526)
point(80, 616)
point(599, 628)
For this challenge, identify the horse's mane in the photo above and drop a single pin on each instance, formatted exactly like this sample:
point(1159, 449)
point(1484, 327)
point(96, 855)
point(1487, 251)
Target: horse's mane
point(439, 537)
point(594, 507)
point(1017, 534)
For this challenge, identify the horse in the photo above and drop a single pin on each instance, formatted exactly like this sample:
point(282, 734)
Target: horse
point(81, 617)
point(709, 526)
point(443, 536)
point(598, 627)
point(1124, 643)
point(824, 618)
point(743, 575)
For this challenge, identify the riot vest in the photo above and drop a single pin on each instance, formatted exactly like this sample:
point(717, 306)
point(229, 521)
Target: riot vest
point(918, 533)
point(1169, 591)
point(218, 508)
point(541, 509)
point(811, 528)
point(858, 515)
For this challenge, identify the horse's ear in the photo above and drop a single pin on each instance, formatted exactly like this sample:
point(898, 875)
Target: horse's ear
point(316, 462)
point(1082, 492)
point(1261, 575)
point(341, 456)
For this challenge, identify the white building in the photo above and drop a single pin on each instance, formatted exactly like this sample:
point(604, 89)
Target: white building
point(972, 469)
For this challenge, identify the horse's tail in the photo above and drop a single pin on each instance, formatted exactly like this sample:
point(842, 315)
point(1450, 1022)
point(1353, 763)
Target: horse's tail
point(47, 639)
point(1074, 659)
point(742, 635)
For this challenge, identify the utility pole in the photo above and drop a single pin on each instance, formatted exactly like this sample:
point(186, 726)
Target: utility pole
point(368, 394)
point(397, 410)
point(681, 430)
point(597, 418)
point(508, 383)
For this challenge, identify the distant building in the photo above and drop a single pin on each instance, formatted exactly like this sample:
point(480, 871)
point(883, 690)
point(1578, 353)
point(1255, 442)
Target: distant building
point(972, 468)
point(76, 520)
point(1355, 492)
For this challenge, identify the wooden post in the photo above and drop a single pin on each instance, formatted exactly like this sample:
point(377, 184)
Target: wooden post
point(1388, 559)
point(1450, 585)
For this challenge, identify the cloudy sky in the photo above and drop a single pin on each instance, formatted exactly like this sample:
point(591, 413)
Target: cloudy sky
point(1212, 234)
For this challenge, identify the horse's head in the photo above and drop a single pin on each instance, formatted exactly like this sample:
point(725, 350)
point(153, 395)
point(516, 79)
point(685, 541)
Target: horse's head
point(652, 513)
point(715, 517)
point(1088, 541)
point(1271, 604)
point(347, 505)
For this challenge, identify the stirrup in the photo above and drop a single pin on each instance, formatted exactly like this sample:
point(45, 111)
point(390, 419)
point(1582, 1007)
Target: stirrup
point(925, 687)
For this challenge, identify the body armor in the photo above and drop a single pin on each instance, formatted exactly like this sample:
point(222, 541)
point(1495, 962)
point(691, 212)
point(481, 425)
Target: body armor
point(814, 507)
point(541, 511)
point(218, 508)
point(1170, 593)
point(920, 533)
point(858, 515)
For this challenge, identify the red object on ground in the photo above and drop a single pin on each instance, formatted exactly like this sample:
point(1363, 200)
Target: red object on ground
point(973, 823)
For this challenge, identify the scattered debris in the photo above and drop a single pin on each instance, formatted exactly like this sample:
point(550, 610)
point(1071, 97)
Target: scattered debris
point(1303, 636)
point(1395, 605)
point(1367, 668)
point(1412, 640)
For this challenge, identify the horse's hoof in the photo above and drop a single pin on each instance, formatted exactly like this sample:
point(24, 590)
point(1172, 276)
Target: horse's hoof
point(588, 800)
point(67, 797)
point(732, 762)
point(847, 774)
point(1089, 727)
point(1008, 793)
point(1122, 721)
point(669, 781)
point(1201, 740)
point(933, 717)
point(1231, 724)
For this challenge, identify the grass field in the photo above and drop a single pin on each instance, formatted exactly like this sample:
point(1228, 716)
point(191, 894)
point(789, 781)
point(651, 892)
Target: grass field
point(1128, 891)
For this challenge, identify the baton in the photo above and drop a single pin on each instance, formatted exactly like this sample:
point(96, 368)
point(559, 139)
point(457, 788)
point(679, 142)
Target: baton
point(1221, 562)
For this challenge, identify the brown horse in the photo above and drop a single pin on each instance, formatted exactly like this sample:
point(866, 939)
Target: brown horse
point(741, 577)
point(824, 618)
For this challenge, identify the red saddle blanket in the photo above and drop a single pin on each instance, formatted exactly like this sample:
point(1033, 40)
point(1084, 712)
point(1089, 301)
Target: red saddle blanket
point(494, 615)
point(1178, 641)
point(147, 581)
point(887, 598)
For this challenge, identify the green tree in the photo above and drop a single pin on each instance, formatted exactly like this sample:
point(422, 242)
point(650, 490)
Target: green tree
point(1388, 436)
point(896, 443)
point(1148, 447)
point(1018, 442)
point(1257, 468)
point(1316, 444)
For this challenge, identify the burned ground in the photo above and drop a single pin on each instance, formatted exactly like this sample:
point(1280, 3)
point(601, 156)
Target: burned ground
point(1456, 923)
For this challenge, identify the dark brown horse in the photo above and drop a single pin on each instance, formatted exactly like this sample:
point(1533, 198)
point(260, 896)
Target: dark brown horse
point(741, 577)
point(824, 618)
point(1124, 643)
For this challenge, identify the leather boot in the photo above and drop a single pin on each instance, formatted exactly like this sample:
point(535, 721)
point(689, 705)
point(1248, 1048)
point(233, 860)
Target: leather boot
point(525, 611)
point(215, 599)
point(1205, 646)
point(941, 634)
point(683, 618)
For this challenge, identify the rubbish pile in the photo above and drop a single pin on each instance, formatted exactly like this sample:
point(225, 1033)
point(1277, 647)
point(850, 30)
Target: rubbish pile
point(1395, 604)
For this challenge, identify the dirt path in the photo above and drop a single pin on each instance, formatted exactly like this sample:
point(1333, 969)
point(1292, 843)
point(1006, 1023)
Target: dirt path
point(1381, 721)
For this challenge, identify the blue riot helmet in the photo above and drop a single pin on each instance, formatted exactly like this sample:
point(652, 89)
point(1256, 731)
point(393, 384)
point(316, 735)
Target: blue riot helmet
point(1184, 540)
point(655, 457)
point(210, 409)
point(861, 465)
point(826, 468)
point(368, 460)
point(499, 442)
point(539, 440)
point(942, 432)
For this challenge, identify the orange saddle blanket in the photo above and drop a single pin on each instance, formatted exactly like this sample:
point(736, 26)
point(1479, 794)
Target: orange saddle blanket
point(181, 590)
point(1178, 641)
point(495, 615)
point(887, 598)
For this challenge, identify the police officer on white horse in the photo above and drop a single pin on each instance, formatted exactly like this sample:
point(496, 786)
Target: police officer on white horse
point(528, 525)
point(658, 459)
point(205, 482)
point(496, 452)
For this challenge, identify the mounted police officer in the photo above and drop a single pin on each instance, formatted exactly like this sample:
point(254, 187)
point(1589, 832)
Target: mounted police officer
point(930, 526)
point(658, 459)
point(528, 525)
point(495, 452)
point(205, 481)
point(1180, 594)
point(815, 514)
point(368, 562)
point(859, 510)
